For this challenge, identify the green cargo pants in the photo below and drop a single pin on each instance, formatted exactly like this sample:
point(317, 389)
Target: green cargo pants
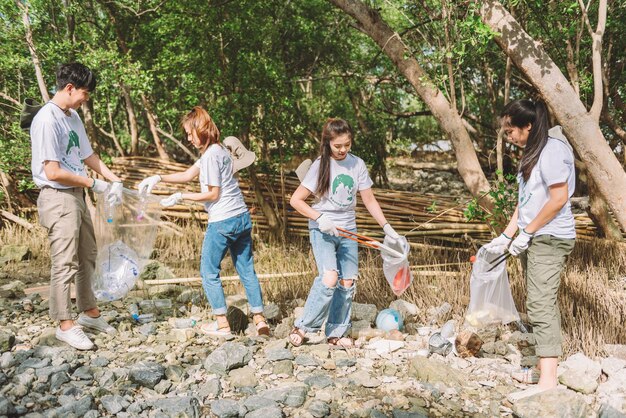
point(543, 263)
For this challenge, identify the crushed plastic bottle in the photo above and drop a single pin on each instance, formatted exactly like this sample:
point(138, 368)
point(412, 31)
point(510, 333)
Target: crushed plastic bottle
point(134, 311)
point(183, 323)
point(141, 210)
point(163, 304)
point(145, 318)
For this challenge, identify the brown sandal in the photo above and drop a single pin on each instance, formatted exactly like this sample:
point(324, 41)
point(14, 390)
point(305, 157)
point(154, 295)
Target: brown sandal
point(261, 326)
point(340, 343)
point(299, 334)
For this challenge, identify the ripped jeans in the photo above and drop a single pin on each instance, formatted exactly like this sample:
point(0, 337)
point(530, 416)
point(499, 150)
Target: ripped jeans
point(332, 254)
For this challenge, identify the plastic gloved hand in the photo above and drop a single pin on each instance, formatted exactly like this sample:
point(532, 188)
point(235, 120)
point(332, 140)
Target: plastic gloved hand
point(327, 226)
point(172, 200)
point(148, 184)
point(498, 245)
point(114, 197)
point(521, 243)
point(99, 186)
point(391, 233)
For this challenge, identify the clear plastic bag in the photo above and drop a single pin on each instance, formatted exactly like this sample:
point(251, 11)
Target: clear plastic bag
point(125, 237)
point(491, 302)
point(396, 269)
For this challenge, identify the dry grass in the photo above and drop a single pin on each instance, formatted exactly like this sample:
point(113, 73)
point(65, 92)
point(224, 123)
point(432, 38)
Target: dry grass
point(592, 294)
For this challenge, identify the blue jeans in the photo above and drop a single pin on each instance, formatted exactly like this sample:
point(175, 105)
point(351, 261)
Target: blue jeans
point(335, 303)
point(232, 234)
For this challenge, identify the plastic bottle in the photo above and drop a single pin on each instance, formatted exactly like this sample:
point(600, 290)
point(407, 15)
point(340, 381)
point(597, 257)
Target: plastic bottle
point(109, 212)
point(162, 304)
point(447, 331)
point(134, 311)
point(141, 210)
point(145, 318)
point(183, 322)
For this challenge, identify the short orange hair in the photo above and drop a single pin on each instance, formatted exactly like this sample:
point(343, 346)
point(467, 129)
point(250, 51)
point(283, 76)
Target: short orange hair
point(199, 121)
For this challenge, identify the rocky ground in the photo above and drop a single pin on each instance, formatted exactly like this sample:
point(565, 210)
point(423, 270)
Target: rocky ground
point(157, 370)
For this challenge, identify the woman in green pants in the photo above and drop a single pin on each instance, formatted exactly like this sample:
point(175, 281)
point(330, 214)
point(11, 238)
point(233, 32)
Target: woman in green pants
point(545, 222)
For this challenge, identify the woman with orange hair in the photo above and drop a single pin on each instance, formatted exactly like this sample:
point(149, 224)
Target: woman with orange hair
point(229, 225)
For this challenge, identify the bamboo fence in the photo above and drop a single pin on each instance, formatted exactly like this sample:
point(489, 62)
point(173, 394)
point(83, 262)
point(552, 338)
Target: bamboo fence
point(424, 219)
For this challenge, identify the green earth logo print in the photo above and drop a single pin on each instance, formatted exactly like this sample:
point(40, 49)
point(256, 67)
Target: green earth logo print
point(73, 142)
point(342, 190)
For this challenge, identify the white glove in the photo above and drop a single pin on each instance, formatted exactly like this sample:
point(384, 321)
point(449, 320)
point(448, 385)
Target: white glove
point(327, 226)
point(99, 186)
point(148, 184)
point(114, 196)
point(521, 243)
point(498, 245)
point(172, 200)
point(390, 232)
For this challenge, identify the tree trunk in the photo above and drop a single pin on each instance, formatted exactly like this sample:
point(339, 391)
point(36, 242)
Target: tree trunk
point(600, 215)
point(153, 129)
point(371, 23)
point(33, 52)
point(132, 120)
point(90, 125)
point(580, 127)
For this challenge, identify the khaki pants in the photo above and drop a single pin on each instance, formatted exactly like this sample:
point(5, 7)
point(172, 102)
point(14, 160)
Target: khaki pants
point(543, 263)
point(73, 251)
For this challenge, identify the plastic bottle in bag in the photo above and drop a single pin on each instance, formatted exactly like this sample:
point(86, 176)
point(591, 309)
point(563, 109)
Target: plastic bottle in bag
point(145, 318)
point(109, 212)
point(118, 270)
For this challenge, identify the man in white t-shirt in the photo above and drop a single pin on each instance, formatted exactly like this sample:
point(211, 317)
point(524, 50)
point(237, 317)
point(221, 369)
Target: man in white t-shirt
point(60, 151)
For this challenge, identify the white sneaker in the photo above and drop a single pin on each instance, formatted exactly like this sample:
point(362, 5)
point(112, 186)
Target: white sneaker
point(75, 337)
point(98, 324)
point(213, 330)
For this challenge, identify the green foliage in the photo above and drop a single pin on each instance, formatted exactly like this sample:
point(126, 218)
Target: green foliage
point(504, 196)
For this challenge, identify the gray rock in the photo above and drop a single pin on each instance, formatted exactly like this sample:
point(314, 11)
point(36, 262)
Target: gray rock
point(363, 378)
point(225, 408)
point(83, 373)
point(345, 362)
point(607, 411)
point(555, 403)
point(581, 364)
point(156, 271)
point(319, 381)
point(580, 382)
point(615, 383)
point(175, 373)
point(397, 413)
point(7, 359)
point(211, 387)
point(267, 412)
point(283, 367)
point(187, 406)
point(147, 329)
point(77, 407)
point(616, 350)
point(430, 370)
point(6, 341)
point(14, 253)
point(272, 312)
point(279, 354)
point(306, 360)
point(57, 380)
point(6, 407)
point(227, 357)
point(163, 387)
point(363, 311)
point(243, 377)
point(319, 409)
point(296, 395)
point(255, 402)
point(147, 373)
point(100, 362)
point(612, 365)
point(114, 403)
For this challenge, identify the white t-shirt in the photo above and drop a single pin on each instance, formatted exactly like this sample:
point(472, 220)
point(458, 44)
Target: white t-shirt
point(58, 137)
point(216, 170)
point(555, 165)
point(347, 177)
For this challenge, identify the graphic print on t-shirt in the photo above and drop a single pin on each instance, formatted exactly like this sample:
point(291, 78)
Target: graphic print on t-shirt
point(73, 146)
point(342, 190)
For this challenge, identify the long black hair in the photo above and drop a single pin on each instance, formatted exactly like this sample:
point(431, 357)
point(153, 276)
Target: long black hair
point(332, 129)
point(520, 113)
